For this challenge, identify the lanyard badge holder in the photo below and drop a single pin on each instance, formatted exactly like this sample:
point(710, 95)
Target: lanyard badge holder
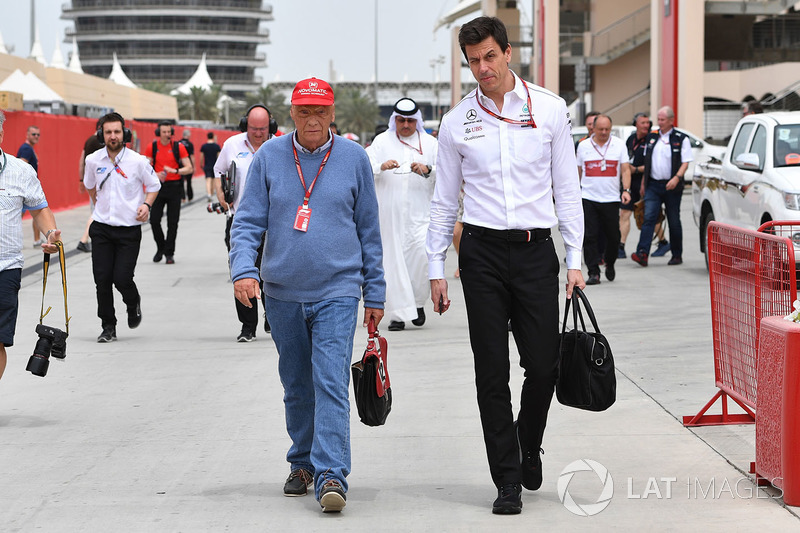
point(52, 341)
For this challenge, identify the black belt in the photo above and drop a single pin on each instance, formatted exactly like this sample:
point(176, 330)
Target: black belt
point(512, 235)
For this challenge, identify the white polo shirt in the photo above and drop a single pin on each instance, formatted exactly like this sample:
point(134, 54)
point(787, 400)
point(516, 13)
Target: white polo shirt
point(511, 173)
point(601, 168)
point(120, 188)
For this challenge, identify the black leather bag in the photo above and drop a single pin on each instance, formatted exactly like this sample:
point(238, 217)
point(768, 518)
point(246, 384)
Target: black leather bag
point(371, 381)
point(586, 378)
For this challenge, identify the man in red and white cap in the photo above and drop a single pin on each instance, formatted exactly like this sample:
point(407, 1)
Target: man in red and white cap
point(313, 194)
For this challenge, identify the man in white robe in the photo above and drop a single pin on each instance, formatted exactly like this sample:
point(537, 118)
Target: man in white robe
point(403, 159)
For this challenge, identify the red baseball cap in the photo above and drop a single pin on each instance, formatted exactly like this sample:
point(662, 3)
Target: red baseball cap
point(312, 92)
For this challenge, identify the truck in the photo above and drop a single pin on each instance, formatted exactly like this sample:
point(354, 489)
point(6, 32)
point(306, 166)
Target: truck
point(756, 181)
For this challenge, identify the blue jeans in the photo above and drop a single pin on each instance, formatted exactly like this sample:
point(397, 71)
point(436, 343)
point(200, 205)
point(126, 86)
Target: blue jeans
point(656, 194)
point(315, 346)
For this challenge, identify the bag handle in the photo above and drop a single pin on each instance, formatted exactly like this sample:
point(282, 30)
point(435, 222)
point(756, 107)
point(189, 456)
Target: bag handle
point(589, 311)
point(373, 335)
point(580, 297)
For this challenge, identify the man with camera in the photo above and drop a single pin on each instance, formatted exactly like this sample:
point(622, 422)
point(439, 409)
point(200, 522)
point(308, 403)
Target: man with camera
point(237, 153)
point(314, 195)
point(171, 162)
point(19, 190)
point(123, 186)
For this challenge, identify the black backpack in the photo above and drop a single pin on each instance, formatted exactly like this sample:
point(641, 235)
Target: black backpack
point(176, 153)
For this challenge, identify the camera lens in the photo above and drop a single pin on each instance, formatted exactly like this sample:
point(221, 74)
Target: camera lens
point(39, 362)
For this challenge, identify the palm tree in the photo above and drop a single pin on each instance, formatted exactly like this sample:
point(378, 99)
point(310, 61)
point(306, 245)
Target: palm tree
point(356, 112)
point(199, 104)
point(275, 102)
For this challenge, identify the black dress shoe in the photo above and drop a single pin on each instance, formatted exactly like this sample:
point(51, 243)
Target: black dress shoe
point(594, 279)
point(611, 273)
point(109, 334)
point(170, 260)
point(509, 499)
point(157, 257)
point(395, 325)
point(135, 316)
point(531, 463)
point(420, 320)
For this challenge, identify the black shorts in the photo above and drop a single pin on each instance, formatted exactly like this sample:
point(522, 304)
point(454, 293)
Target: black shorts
point(636, 186)
point(9, 303)
point(209, 172)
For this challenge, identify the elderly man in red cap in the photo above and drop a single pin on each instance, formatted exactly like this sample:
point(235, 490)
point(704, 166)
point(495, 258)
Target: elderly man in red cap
point(313, 194)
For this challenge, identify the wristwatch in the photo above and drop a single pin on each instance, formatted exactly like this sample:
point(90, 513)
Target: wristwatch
point(428, 173)
point(626, 190)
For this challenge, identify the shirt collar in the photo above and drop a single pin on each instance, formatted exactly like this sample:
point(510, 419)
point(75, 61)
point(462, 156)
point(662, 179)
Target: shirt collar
point(518, 90)
point(119, 155)
point(322, 148)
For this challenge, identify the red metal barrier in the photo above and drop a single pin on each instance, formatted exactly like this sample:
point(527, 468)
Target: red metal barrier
point(61, 143)
point(778, 416)
point(751, 276)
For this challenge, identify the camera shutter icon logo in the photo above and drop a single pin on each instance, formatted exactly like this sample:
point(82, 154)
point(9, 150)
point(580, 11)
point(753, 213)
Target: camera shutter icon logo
point(585, 465)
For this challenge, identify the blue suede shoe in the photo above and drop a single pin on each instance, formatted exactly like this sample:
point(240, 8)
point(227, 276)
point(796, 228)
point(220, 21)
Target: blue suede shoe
point(661, 250)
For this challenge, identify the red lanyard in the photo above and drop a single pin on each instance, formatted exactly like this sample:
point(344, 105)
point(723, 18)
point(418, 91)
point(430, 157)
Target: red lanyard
point(247, 144)
point(636, 144)
point(603, 155)
point(300, 171)
point(419, 139)
point(530, 122)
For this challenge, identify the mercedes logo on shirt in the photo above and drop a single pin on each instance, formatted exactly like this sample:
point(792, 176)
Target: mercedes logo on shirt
point(472, 114)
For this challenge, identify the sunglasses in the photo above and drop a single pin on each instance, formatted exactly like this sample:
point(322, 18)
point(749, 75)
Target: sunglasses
point(406, 120)
point(35, 134)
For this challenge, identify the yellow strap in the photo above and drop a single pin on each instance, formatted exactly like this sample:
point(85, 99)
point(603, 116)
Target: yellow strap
point(46, 266)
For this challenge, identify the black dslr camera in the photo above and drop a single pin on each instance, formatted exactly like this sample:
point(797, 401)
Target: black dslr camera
point(52, 341)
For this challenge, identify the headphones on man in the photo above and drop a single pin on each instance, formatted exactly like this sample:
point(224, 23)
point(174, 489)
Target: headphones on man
point(636, 117)
point(273, 124)
point(127, 135)
point(165, 123)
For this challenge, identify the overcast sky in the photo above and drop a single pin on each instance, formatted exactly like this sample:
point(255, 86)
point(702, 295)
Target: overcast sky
point(305, 36)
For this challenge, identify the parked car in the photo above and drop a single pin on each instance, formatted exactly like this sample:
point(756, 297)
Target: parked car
point(758, 179)
point(702, 151)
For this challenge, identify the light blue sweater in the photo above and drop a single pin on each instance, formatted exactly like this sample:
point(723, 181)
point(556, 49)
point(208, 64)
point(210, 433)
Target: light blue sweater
point(341, 252)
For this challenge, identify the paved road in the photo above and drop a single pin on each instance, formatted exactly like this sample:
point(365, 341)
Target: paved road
point(176, 427)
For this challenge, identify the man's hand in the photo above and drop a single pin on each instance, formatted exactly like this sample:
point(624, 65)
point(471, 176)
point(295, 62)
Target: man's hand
point(626, 197)
point(574, 279)
point(142, 213)
point(419, 168)
point(673, 182)
point(246, 288)
point(50, 247)
point(439, 291)
point(390, 164)
point(370, 313)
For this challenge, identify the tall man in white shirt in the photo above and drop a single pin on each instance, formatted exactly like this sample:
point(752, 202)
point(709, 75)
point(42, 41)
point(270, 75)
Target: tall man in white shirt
point(510, 144)
point(667, 154)
point(602, 160)
point(403, 160)
point(240, 149)
point(123, 186)
point(19, 190)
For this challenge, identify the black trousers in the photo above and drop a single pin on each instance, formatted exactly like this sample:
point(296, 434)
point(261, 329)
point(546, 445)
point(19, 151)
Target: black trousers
point(170, 196)
point(519, 281)
point(600, 219)
point(115, 250)
point(248, 316)
point(189, 191)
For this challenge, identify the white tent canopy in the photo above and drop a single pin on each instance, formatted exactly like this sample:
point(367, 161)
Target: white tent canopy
point(118, 75)
point(200, 78)
point(3, 49)
point(37, 53)
point(58, 58)
point(32, 88)
point(74, 59)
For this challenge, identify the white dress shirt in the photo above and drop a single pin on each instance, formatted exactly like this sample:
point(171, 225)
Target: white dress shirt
point(123, 185)
point(239, 150)
point(19, 190)
point(511, 173)
point(661, 163)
